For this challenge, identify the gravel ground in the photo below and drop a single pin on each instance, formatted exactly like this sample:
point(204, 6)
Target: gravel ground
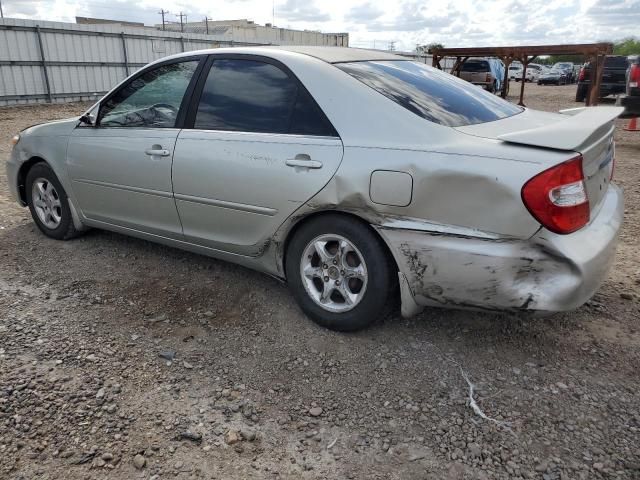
point(122, 356)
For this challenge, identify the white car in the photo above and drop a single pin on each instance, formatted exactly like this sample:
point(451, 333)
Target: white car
point(515, 72)
point(533, 72)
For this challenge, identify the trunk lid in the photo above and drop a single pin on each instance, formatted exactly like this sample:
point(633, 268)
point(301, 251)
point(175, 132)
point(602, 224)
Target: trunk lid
point(584, 131)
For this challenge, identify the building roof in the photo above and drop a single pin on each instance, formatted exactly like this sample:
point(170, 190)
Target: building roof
point(337, 54)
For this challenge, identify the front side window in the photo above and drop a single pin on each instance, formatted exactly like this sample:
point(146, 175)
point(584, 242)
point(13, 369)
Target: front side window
point(431, 93)
point(151, 100)
point(253, 96)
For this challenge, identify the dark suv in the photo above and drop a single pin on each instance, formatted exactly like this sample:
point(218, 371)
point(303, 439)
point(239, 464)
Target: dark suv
point(631, 100)
point(613, 77)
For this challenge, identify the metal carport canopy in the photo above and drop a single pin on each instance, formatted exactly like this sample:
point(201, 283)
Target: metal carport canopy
point(594, 52)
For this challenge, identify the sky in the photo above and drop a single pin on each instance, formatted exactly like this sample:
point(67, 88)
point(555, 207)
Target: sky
point(377, 23)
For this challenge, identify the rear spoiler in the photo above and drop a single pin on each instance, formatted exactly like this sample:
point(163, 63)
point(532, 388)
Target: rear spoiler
point(570, 133)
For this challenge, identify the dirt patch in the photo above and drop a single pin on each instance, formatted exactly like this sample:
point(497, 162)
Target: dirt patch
point(122, 356)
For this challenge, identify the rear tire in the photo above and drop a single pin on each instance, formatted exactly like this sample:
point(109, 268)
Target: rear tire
point(339, 273)
point(48, 203)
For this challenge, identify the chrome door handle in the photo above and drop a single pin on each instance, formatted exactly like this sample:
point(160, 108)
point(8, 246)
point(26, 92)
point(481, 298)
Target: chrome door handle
point(157, 153)
point(303, 160)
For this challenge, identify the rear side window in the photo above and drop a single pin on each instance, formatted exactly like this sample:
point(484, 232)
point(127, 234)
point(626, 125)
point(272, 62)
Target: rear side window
point(254, 96)
point(430, 93)
point(475, 66)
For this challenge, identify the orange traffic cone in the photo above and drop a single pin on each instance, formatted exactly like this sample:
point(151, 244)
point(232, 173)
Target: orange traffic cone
point(633, 125)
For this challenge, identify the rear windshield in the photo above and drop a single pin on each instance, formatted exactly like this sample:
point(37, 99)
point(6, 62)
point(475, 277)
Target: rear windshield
point(430, 93)
point(471, 66)
point(616, 62)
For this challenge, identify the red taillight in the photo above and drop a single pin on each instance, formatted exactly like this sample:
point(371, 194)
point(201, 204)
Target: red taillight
point(557, 197)
point(634, 76)
point(581, 75)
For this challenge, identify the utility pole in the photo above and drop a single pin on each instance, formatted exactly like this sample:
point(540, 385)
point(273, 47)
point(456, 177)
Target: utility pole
point(163, 12)
point(206, 23)
point(181, 15)
point(1, 13)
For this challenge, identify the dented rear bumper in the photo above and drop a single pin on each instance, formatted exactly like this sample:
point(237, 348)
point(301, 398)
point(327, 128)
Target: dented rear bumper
point(548, 272)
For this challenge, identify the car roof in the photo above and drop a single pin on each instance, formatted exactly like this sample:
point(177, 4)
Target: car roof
point(335, 54)
point(326, 54)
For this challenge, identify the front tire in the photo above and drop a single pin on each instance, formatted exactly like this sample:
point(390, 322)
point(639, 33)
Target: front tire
point(339, 273)
point(48, 203)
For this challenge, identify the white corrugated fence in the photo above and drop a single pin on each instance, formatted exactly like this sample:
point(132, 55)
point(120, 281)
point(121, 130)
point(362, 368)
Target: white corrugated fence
point(44, 61)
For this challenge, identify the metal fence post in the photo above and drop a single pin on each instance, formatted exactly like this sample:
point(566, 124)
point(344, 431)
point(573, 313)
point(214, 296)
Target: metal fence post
point(182, 43)
point(44, 63)
point(124, 52)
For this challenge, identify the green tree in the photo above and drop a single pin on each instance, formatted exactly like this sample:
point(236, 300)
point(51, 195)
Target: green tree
point(627, 46)
point(428, 48)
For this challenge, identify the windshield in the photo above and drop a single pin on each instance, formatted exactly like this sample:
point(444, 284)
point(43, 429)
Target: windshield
point(430, 93)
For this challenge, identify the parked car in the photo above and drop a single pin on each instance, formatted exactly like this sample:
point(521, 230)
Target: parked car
point(567, 68)
point(614, 77)
point(485, 72)
point(355, 176)
point(533, 72)
point(515, 72)
point(553, 77)
point(631, 99)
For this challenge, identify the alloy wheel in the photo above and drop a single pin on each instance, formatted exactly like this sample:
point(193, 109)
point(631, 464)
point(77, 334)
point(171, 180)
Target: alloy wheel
point(46, 203)
point(334, 273)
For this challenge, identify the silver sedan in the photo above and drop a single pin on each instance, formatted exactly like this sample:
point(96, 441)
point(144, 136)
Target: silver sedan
point(356, 176)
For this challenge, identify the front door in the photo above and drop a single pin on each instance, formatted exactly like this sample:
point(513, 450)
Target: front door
point(259, 148)
point(121, 168)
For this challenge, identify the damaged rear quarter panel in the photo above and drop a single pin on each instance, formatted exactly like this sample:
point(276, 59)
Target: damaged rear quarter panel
point(487, 274)
point(475, 189)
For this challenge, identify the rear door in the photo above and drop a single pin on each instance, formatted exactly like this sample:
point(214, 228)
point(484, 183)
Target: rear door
point(258, 148)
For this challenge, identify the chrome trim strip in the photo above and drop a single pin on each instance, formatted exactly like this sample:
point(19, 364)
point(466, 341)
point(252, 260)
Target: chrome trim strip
point(230, 205)
point(148, 191)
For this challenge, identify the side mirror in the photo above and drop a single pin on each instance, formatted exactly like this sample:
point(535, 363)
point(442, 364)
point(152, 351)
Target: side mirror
point(88, 119)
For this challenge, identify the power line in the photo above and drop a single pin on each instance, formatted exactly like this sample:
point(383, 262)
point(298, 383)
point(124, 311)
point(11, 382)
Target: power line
point(163, 12)
point(181, 15)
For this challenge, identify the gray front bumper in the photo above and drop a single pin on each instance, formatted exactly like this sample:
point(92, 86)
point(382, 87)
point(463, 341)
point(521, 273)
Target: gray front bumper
point(12, 168)
point(547, 272)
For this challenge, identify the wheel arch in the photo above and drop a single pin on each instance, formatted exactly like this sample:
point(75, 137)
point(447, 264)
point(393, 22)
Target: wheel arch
point(312, 216)
point(23, 171)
